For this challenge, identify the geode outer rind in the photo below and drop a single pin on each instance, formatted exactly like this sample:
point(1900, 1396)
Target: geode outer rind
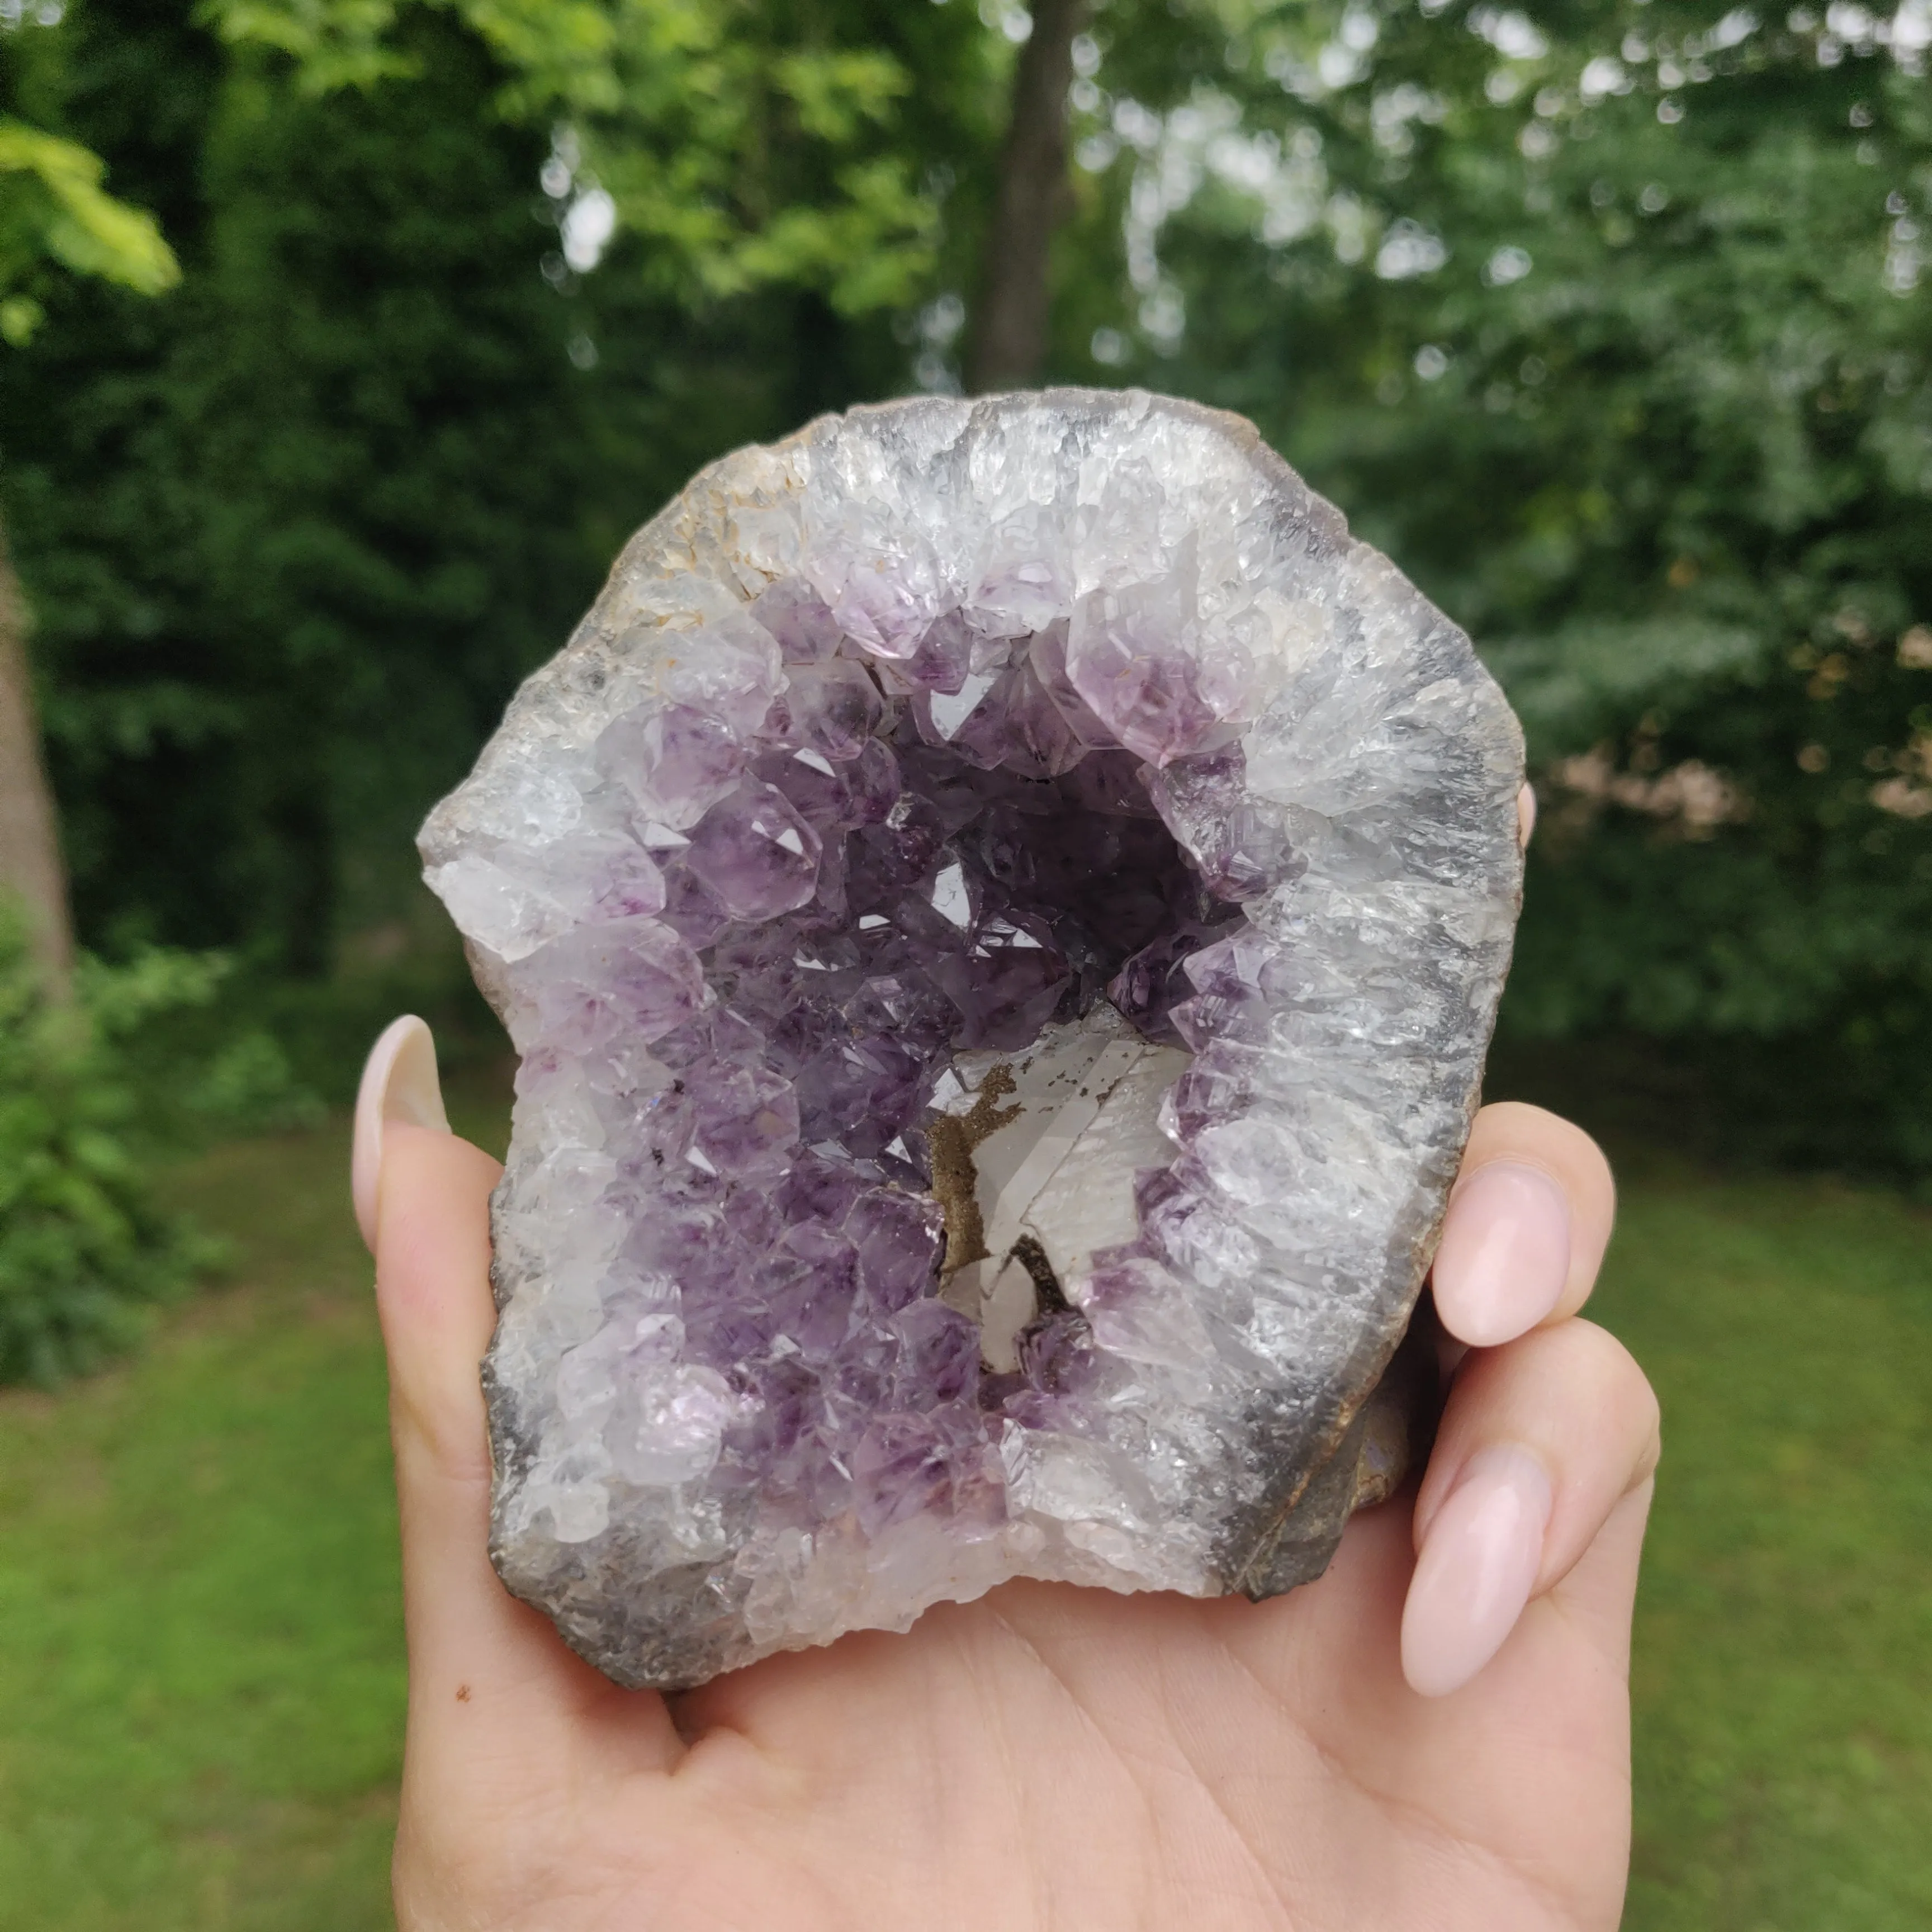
point(730, 1414)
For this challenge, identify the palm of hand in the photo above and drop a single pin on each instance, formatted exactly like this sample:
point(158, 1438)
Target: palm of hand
point(1053, 1757)
point(1046, 1757)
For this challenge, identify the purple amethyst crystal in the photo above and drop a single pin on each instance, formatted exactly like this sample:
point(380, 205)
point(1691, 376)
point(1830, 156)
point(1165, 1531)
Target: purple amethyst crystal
point(1002, 906)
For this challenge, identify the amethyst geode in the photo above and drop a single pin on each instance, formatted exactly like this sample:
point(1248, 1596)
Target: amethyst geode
point(1001, 905)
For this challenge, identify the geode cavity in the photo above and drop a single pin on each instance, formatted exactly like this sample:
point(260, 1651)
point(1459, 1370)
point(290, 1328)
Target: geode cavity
point(1002, 907)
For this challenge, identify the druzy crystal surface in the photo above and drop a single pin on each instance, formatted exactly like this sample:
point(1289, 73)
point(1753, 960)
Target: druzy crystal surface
point(1001, 906)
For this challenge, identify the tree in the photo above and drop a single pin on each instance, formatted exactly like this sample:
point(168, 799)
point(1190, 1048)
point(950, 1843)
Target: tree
point(1011, 322)
point(746, 147)
point(54, 217)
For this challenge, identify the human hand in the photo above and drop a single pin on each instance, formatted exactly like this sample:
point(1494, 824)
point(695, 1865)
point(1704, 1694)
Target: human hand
point(1051, 1756)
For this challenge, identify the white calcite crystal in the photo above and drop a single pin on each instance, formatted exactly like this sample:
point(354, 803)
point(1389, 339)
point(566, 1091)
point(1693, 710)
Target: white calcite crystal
point(1002, 907)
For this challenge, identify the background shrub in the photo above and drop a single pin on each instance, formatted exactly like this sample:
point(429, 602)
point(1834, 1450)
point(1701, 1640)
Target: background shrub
point(87, 1245)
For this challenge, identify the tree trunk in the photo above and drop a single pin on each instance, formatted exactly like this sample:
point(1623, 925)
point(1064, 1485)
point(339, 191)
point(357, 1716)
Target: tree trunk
point(1007, 347)
point(30, 854)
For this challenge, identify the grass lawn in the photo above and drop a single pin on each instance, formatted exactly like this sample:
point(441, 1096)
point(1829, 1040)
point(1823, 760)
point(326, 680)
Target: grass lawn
point(1783, 1672)
point(201, 1682)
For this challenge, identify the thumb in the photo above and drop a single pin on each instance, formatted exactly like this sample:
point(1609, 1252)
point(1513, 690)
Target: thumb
point(482, 1666)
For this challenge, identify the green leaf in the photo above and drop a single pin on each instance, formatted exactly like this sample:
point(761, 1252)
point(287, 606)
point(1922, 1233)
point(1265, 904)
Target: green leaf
point(51, 205)
point(20, 316)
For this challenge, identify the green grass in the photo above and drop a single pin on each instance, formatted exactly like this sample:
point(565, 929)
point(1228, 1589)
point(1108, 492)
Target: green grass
point(201, 1671)
point(1782, 1670)
point(201, 1682)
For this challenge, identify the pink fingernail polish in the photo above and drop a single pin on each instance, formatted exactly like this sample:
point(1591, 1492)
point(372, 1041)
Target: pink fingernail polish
point(1478, 1565)
point(1505, 1255)
point(399, 1083)
point(1526, 816)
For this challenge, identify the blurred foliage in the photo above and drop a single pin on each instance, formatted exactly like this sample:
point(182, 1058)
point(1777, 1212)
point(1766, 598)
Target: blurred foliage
point(746, 147)
point(54, 212)
point(1606, 319)
point(85, 1250)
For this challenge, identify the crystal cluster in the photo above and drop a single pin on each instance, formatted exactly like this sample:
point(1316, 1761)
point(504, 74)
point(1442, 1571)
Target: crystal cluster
point(1001, 906)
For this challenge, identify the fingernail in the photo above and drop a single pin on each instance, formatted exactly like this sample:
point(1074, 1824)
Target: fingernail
point(1526, 816)
point(1504, 1254)
point(1478, 1564)
point(399, 1083)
